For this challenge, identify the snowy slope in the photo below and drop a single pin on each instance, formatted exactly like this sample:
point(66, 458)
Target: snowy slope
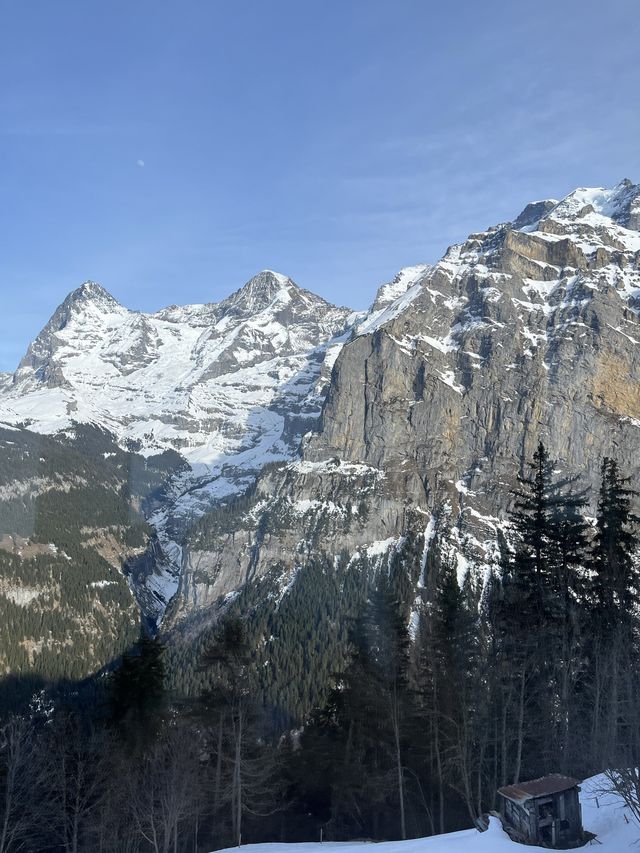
point(605, 816)
point(494, 840)
point(230, 386)
point(393, 298)
point(205, 380)
point(234, 385)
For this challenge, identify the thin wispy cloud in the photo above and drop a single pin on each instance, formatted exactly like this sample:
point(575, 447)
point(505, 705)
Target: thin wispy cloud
point(409, 130)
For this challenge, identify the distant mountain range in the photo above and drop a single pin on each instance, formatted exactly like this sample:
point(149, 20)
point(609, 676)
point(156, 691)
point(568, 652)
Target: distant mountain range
point(345, 432)
point(230, 385)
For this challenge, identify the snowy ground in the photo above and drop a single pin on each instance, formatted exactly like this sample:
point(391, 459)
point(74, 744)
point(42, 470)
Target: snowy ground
point(605, 818)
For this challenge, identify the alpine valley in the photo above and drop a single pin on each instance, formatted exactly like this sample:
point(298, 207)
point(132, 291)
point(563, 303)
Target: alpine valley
point(264, 452)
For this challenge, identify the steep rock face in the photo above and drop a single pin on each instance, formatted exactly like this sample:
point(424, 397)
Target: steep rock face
point(527, 330)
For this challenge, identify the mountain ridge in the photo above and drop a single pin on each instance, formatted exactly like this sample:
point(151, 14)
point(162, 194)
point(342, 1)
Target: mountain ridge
point(515, 335)
point(228, 385)
point(413, 403)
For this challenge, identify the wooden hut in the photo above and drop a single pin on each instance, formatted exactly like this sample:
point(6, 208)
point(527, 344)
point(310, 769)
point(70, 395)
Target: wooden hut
point(543, 811)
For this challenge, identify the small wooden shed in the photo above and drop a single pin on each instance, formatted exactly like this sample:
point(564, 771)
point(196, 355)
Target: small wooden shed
point(544, 811)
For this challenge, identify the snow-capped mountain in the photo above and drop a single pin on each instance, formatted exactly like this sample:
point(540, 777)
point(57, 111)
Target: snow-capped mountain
point(205, 380)
point(230, 386)
point(415, 409)
point(529, 330)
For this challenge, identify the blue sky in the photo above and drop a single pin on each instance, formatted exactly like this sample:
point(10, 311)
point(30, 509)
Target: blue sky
point(335, 141)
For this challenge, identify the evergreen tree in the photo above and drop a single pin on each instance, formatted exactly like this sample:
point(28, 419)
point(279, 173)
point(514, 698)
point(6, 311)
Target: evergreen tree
point(366, 724)
point(459, 691)
point(390, 647)
point(613, 646)
point(536, 503)
point(533, 617)
point(449, 680)
point(615, 586)
point(137, 693)
point(245, 779)
point(570, 533)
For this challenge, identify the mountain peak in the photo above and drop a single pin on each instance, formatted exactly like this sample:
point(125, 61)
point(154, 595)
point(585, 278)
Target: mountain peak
point(267, 283)
point(91, 291)
point(278, 276)
point(534, 211)
point(619, 204)
point(89, 299)
point(88, 304)
point(614, 203)
point(259, 292)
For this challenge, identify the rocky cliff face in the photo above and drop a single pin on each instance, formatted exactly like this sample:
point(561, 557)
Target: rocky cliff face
point(526, 331)
point(416, 416)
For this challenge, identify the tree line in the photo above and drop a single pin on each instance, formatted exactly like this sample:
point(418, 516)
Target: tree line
point(434, 700)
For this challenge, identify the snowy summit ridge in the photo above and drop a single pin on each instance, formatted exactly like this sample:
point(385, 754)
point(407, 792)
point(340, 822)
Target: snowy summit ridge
point(228, 385)
point(532, 322)
point(164, 380)
point(527, 330)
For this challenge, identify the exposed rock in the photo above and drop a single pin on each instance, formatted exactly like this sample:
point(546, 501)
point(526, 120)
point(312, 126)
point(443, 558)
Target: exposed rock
point(430, 404)
point(515, 336)
point(533, 212)
point(230, 386)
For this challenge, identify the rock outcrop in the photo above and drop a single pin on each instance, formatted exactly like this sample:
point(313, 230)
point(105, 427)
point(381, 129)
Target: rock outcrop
point(526, 331)
point(416, 416)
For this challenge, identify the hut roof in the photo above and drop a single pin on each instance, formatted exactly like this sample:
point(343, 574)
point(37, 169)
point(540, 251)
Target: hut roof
point(543, 787)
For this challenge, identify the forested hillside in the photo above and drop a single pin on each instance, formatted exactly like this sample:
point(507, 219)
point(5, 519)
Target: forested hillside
point(71, 525)
point(396, 568)
point(354, 706)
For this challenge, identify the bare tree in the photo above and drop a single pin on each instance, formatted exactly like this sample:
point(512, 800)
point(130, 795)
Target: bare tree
point(626, 784)
point(18, 793)
point(74, 763)
point(244, 780)
point(112, 823)
point(164, 793)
